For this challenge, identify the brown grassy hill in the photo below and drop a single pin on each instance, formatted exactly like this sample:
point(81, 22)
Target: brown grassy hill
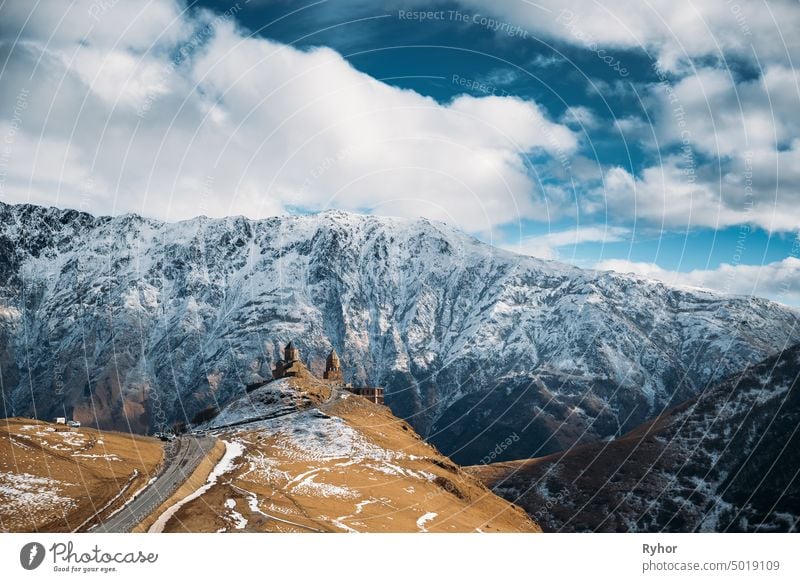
point(330, 461)
point(54, 479)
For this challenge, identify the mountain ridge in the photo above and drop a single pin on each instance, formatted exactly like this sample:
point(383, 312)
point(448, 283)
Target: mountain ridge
point(725, 460)
point(131, 323)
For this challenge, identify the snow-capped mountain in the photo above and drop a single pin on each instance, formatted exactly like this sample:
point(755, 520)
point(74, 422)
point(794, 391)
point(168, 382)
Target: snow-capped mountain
point(130, 322)
point(726, 460)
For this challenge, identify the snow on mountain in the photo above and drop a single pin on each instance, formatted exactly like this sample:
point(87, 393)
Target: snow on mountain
point(726, 460)
point(128, 322)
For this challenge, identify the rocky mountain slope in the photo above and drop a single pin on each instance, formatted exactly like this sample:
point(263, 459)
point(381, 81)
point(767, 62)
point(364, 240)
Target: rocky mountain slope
point(727, 460)
point(56, 479)
point(304, 456)
point(131, 323)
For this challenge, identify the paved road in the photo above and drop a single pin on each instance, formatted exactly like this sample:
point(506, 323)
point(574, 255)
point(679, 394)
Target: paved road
point(182, 457)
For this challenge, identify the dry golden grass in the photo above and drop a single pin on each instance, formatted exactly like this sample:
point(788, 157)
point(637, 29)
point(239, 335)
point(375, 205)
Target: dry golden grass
point(361, 469)
point(341, 464)
point(54, 479)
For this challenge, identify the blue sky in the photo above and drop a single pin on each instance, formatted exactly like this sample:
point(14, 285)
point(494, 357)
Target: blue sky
point(448, 57)
point(658, 138)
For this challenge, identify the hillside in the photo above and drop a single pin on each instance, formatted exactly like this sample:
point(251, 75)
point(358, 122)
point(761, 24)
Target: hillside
point(53, 479)
point(128, 322)
point(728, 460)
point(324, 460)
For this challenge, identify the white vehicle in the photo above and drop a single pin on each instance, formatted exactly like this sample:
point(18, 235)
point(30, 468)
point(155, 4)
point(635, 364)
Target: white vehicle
point(74, 424)
point(61, 420)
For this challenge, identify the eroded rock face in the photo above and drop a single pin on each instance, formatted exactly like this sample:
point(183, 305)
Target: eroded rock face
point(130, 322)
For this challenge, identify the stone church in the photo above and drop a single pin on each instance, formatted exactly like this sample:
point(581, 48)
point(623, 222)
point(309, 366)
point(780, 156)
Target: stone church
point(333, 368)
point(333, 373)
point(291, 365)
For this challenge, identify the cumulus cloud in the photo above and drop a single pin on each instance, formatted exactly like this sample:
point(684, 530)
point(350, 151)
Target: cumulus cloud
point(146, 107)
point(728, 154)
point(779, 281)
point(673, 31)
point(738, 134)
point(722, 117)
point(546, 246)
point(580, 117)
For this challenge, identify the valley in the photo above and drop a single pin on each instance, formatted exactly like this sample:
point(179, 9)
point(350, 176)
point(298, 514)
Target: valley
point(726, 460)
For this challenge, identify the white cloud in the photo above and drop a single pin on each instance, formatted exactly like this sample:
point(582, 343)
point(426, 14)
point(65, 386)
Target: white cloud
point(742, 162)
point(672, 30)
point(502, 77)
point(779, 281)
point(149, 110)
point(581, 117)
point(759, 187)
point(541, 61)
point(546, 246)
point(721, 117)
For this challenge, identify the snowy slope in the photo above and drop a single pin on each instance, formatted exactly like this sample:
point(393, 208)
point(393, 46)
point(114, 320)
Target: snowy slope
point(727, 460)
point(130, 322)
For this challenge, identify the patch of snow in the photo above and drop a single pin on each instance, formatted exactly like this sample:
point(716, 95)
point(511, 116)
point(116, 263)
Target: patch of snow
point(265, 470)
point(107, 457)
point(339, 521)
point(398, 471)
point(309, 486)
point(9, 312)
point(239, 521)
point(21, 445)
point(252, 502)
point(425, 519)
point(304, 437)
point(269, 401)
point(30, 496)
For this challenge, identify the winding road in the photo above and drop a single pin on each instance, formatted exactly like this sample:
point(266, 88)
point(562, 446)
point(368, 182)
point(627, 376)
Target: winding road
point(183, 455)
